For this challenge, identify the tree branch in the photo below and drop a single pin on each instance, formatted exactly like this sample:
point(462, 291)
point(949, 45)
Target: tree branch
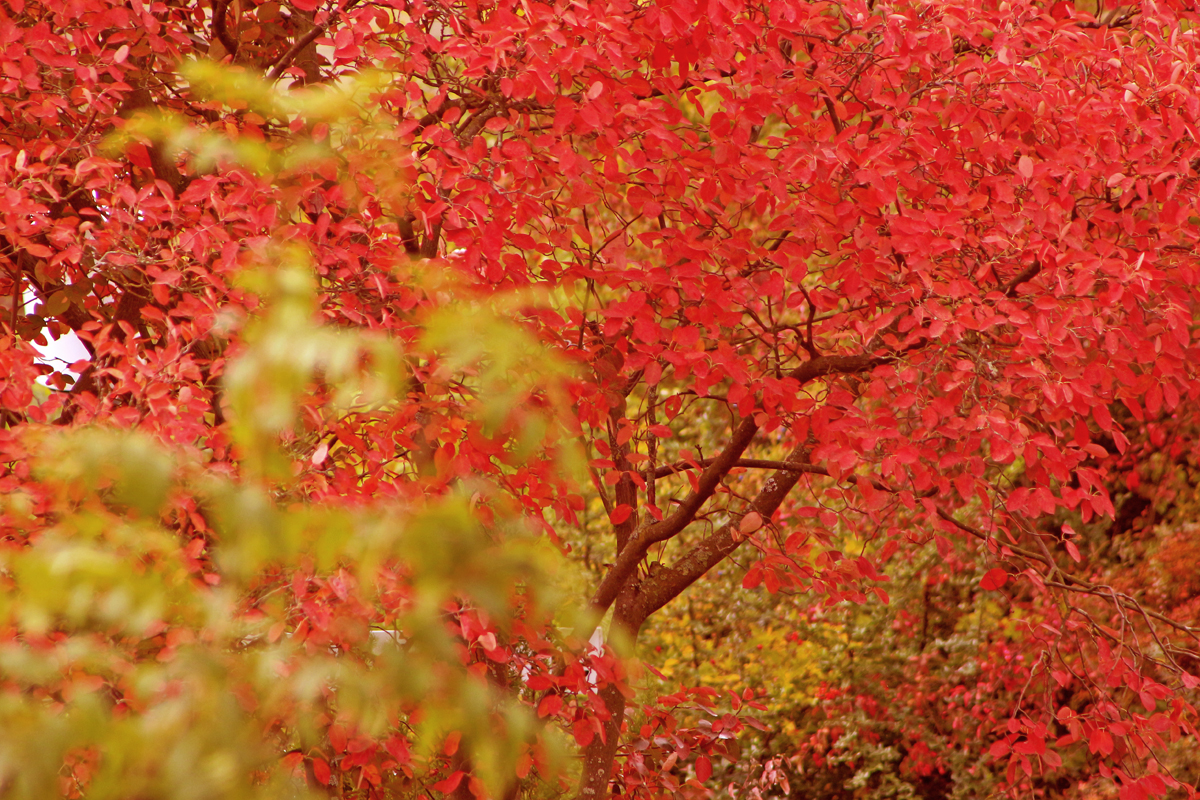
point(220, 7)
point(751, 463)
point(636, 547)
point(285, 60)
point(1070, 582)
point(625, 492)
point(665, 583)
point(784, 466)
point(1026, 275)
point(644, 537)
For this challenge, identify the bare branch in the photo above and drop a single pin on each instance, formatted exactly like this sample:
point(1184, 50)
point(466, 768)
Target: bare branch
point(285, 60)
point(220, 7)
point(665, 583)
point(1026, 275)
point(639, 543)
point(1070, 582)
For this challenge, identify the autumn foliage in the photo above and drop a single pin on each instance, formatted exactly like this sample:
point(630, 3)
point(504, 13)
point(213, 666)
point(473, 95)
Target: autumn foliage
point(436, 350)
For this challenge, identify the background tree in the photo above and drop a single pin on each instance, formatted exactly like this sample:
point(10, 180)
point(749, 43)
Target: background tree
point(881, 269)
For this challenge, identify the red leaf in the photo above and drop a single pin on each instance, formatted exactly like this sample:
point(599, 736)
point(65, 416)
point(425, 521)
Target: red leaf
point(1073, 551)
point(397, 748)
point(994, 579)
point(704, 769)
point(584, 732)
point(321, 771)
point(750, 523)
point(337, 738)
point(1101, 742)
point(450, 783)
point(550, 705)
point(753, 578)
point(771, 580)
point(1034, 745)
point(620, 514)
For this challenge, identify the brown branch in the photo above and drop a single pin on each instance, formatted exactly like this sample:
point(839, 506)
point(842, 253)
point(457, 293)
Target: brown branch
point(651, 471)
point(429, 245)
point(778, 240)
point(665, 583)
point(833, 117)
point(716, 547)
point(1070, 582)
point(625, 492)
point(1010, 288)
point(642, 539)
point(285, 60)
point(783, 466)
point(470, 127)
point(983, 537)
point(752, 463)
point(1080, 586)
point(220, 7)
point(408, 234)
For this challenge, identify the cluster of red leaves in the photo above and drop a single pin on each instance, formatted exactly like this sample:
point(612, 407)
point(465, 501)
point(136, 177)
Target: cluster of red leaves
point(925, 251)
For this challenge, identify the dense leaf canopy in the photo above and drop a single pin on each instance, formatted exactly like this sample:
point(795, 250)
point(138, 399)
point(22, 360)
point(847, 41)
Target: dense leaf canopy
point(854, 334)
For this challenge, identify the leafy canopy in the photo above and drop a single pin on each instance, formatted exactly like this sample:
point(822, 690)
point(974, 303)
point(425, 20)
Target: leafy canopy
point(801, 296)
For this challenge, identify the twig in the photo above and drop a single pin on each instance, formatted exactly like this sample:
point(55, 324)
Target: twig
point(1010, 288)
point(784, 466)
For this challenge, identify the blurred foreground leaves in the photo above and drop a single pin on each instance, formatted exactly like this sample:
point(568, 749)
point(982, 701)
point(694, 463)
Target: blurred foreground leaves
point(174, 627)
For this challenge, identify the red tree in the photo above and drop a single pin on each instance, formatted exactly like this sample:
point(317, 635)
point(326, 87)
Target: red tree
point(893, 265)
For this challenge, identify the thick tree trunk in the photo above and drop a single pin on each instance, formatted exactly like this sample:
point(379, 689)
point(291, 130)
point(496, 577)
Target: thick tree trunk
point(600, 755)
point(642, 595)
